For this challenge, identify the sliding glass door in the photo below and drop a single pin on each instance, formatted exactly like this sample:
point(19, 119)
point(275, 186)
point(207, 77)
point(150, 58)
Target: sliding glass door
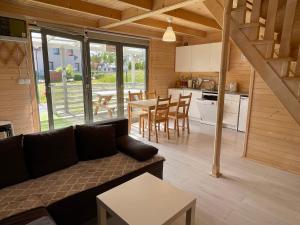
point(84, 81)
point(103, 75)
point(134, 70)
point(65, 80)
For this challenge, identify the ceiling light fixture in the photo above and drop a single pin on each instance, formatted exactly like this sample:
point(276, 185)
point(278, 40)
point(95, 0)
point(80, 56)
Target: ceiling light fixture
point(169, 35)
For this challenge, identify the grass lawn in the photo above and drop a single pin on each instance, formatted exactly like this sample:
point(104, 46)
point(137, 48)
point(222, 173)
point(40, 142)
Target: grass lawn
point(59, 122)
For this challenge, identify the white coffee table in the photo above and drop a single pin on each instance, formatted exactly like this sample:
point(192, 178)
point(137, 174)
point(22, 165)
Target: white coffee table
point(146, 200)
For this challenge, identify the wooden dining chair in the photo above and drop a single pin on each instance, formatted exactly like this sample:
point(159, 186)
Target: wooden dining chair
point(160, 115)
point(136, 96)
point(181, 113)
point(150, 94)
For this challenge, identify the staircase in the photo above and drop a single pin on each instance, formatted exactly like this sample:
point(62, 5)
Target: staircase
point(265, 46)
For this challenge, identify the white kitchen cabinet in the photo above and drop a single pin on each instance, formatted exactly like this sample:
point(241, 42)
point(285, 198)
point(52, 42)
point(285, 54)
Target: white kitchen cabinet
point(183, 59)
point(194, 112)
point(215, 56)
point(200, 58)
point(175, 92)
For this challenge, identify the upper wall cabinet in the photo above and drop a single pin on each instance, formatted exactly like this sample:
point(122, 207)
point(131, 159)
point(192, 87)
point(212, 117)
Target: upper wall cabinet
point(183, 59)
point(215, 56)
point(199, 58)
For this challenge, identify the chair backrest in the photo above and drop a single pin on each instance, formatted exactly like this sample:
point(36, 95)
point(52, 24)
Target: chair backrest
point(162, 107)
point(183, 104)
point(135, 96)
point(150, 94)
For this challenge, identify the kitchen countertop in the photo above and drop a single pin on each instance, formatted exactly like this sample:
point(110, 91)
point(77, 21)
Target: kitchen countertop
point(227, 92)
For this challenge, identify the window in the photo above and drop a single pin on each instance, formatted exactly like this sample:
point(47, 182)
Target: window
point(51, 66)
point(65, 94)
point(77, 67)
point(55, 51)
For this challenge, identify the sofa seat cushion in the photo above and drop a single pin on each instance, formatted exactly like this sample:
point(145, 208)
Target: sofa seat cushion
point(17, 199)
point(12, 162)
point(39, 216)
point(75, 179)
point(50, 151)
point(95, 141)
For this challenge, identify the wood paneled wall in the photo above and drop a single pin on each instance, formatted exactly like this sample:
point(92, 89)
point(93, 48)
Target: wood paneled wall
point(273, 136)
point(17, 102)
point(238, 70)
point(161, 66)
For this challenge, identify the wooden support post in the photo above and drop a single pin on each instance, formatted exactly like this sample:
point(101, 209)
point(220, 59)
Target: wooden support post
point(221, 88)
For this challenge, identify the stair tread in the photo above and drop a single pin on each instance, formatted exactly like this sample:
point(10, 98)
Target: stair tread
point(263, 41)
point(292, 78)
point(240, 8)
point(250, 25)
point(281, 59)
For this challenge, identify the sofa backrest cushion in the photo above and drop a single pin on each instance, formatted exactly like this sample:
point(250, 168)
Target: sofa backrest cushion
point(12, 162)
point(95, 141)
point(136, 149)
point(50, 151)
point(120, 125)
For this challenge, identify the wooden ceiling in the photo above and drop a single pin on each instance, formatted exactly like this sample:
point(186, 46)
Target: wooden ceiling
point(189, 17)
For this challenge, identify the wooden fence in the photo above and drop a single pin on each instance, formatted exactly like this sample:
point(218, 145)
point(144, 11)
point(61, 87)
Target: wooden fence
point(69, 99)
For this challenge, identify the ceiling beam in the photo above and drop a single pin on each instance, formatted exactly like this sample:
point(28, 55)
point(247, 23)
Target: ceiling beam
point(177, 28)
point(194, 17)
point(117, 15)
point(86, 7)
point(29, 12)
point(177, 13)
point(159, 7)
point(142, 4)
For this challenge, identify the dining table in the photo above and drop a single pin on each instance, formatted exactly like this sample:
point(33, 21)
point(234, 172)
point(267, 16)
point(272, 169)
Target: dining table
point(146, 105)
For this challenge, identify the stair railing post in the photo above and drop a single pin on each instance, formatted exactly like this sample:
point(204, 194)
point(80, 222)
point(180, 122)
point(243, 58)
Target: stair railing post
point(221, 88)
point(287, 28)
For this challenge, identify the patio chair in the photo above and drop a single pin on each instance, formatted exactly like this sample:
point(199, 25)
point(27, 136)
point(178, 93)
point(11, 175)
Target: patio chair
point(103, 103)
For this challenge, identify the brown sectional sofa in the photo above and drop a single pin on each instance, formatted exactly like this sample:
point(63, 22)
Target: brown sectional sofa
point(68, 195)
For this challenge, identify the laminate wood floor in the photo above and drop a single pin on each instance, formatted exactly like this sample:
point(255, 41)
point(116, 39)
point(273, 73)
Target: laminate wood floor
point(248, 193)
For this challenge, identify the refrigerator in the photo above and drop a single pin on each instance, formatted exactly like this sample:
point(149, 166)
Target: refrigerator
point(242, 123)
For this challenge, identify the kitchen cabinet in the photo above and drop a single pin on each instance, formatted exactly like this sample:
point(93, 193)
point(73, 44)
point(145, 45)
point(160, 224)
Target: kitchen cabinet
point(175, 92)
point(231, 117)
point(199, 58)
point(215, 56)
point(231, 111)
point(194, 111)
point(183, 59)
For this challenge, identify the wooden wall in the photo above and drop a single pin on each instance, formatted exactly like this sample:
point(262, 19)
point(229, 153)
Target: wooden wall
point(161, 66)
point(273, 136)
point(238, 70)
point(17, 102)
